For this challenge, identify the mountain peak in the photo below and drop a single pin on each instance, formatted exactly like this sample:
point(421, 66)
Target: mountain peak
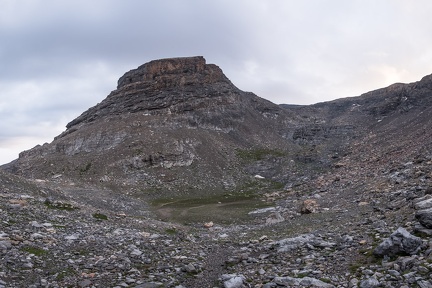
point(172, 69)
point(163, 86)
point(157, 68)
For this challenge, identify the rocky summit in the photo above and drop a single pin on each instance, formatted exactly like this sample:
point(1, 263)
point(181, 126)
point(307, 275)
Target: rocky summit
point(180, 179)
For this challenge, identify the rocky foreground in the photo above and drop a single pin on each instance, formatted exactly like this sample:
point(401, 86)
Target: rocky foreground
point(338, 237)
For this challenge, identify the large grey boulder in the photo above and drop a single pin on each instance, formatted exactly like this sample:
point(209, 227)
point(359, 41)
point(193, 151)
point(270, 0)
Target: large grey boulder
point(304, 282)
point(369, 283)
point(425, 217)
point(400, 242)
point(232, 280)
point(424, 204)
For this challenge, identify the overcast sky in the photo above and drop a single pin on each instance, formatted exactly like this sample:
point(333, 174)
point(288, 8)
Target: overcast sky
point(59, 58)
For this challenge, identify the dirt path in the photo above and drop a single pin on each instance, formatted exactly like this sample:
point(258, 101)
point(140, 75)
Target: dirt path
point(214, 267)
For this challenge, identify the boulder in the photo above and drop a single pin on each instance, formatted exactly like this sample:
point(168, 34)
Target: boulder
point(369, 283)
point(289, 244)
point(305, 281)
point(274, 218)
point(309, 206)
point(401, 242)
point(232, 280)
point(425, 217)
point(425, 204)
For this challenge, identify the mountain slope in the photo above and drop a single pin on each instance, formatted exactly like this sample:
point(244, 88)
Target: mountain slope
point(180, 126)
point(173, 124)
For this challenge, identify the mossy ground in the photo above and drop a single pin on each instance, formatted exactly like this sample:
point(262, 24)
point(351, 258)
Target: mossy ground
point(222, 209)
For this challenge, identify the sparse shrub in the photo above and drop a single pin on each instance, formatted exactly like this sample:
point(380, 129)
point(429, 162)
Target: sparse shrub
point(171, 231)
point(100, 216)
point(60, 206)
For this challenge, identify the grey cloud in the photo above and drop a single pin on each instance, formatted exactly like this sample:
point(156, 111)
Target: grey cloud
point(130, 31)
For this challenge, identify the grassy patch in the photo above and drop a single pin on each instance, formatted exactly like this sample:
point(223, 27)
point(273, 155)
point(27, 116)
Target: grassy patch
point(277, 185)
point(354, 267)
point(171, 231)
point(302, 275)
point(61, 206)
point(326, 280)
point(34, 250)
point(100, 216)
point(65, 273)
point(224, 209)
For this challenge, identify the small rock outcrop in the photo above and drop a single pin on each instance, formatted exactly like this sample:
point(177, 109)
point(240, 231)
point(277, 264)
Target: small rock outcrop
point(399, 242)
point(309, 206)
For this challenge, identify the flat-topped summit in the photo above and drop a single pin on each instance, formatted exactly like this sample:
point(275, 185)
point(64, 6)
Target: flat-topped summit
point(181, 68)
point(172, 85)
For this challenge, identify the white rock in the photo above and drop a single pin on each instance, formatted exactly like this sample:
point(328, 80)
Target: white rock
point(263, 210)
point(71, 237)
point(234, 282)
point(36, 236)
point(425, 204)
point(274, 218)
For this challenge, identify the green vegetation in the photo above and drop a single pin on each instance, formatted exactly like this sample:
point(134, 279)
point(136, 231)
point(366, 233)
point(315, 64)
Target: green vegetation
point(60, 206)
point(34, 250)
point(171, 231)
point(100, 216)
point(277, 185)
point(227, 208)
point(326, 280)
point(63, 274)
point(354, 267)
point(258, 154)
point(302, 275)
